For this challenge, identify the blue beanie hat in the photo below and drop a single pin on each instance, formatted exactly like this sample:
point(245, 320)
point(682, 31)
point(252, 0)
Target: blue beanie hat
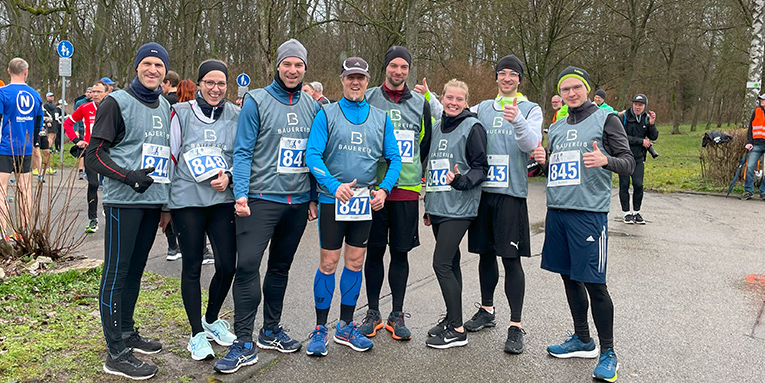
point(152, 49)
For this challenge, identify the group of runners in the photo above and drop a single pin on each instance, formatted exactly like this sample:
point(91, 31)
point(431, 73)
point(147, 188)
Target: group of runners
point(251, 178)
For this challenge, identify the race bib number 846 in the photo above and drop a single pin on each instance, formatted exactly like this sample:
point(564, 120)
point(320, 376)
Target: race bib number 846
point(437, 176)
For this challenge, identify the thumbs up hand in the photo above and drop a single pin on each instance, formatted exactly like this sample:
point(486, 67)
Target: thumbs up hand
point(221, 182)
point(510, 111)
point(596, 158)
point(540, 154)
point(450, 176)
point(422, 89)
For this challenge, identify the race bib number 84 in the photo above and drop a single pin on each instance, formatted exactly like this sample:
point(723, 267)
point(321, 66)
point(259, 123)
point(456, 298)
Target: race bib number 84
point(356, 209)
point(564, 169)
point(157, 156)
point(292, 155)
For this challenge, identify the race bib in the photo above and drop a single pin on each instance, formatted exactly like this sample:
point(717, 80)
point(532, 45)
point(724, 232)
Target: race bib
point(497, 176)
point(157, 156)
point(205, 162)
point(437, 176)
point(292, 155)
point(405, 140)
point(356, 209)
point(564, 169)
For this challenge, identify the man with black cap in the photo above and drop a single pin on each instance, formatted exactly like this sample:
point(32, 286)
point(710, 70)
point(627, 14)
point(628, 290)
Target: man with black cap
point(275, 196)
point(584, 149)
point(513, 128)
point(87, 113)
point(347, 140)
point(755, 144)
point(130, 146)
point(399, 218)
point(600, 100)
point(54, 126)
point(639, 123)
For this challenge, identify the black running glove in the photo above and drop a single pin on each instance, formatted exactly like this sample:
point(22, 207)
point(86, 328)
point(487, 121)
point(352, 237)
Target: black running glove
point(139, 179)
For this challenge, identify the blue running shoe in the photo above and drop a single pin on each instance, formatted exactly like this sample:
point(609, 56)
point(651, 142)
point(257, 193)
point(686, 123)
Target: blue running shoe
point(317, 346)
point(349, 335)
point(200, 347)
point(278, 340)
point(574, 348)
point(219, 332)
point(240, 354)
point(607, 366)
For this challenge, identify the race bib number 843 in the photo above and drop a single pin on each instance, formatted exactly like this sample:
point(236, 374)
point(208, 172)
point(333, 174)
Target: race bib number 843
point(564, 169)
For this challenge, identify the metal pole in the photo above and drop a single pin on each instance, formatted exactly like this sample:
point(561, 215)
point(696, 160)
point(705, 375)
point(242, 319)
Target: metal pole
point(61, 123)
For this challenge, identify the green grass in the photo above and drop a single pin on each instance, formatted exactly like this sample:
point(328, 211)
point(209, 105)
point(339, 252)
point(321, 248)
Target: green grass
point(68, 346)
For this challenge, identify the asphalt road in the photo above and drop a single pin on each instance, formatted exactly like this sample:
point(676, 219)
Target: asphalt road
point(683, 308)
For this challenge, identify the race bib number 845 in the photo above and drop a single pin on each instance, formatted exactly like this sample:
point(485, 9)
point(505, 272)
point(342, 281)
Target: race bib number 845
point(564, 169)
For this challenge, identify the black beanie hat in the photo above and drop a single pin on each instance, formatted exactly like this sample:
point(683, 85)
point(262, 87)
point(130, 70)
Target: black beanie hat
point(509, 62)
point(211, 65)
point(578, 73)
point(601, 93)
point(152, 49)
point(395, 52)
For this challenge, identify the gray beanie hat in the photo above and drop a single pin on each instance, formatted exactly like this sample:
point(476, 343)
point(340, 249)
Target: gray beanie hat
point(291, 48)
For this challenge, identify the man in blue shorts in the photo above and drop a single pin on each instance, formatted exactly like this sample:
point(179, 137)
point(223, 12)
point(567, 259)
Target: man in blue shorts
point(585, 148)
point(347, 140)
point(21, 113)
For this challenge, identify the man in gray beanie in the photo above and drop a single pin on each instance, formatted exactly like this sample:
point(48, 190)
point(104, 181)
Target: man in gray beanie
point(273, 202)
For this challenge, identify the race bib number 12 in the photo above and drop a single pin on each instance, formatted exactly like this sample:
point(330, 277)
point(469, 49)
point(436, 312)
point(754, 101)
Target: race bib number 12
point(157, 156)
point(564, 169)
point(356, 209)
point(405, 140)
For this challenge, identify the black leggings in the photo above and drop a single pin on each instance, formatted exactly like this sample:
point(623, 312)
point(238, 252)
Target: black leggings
point(515, 282)
point(446, 264)
point(398, 274)
point(128, 238)
point(92, 194)
point(602, 310)
point(191, 224)
point(282, 225)
point(637, 188)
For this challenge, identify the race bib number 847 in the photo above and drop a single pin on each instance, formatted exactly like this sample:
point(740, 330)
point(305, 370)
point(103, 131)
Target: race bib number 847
point(356, 209)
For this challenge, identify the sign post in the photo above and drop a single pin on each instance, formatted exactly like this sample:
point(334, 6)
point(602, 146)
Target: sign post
point(243, 80)
point(65, 51)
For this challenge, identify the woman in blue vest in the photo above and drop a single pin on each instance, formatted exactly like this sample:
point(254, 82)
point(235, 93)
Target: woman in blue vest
point(457, 165)
point(202, 133)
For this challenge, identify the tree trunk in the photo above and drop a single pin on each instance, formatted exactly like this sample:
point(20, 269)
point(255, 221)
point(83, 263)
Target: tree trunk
point(756, 51)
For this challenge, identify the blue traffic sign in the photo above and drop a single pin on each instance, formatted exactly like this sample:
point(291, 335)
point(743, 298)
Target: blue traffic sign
point(243, 79)
point(65, 49)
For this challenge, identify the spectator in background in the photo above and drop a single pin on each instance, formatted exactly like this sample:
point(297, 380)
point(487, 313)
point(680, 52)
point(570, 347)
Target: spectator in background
point(109, 83)
point(600, 100)
point(80, 128)
point(170, 86)
point(309, 90)
point(186, 90)
point(755, 144)
point(54, 114)
point(560, 109)
point(318, 89)
point(639, 123)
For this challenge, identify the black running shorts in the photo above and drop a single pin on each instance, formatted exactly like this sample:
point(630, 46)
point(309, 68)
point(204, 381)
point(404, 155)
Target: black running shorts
point(502, 225)
point(331, 232)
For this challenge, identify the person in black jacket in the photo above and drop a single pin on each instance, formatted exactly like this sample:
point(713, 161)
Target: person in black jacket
point(639, 124)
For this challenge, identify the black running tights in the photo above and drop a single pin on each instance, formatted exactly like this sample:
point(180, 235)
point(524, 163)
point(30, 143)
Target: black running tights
point(191, 224)
point(446, 264)
point(602, 310)
point(374, 273)
point(515, 282)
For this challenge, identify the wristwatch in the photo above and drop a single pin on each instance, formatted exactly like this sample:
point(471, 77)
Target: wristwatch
point(387, 192)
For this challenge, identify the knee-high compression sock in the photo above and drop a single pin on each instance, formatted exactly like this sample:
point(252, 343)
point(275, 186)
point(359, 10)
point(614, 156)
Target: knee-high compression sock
point(350, 287)
point(323, 289)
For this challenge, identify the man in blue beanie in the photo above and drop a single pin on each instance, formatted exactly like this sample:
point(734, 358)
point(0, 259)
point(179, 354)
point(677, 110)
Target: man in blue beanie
point(130, 146)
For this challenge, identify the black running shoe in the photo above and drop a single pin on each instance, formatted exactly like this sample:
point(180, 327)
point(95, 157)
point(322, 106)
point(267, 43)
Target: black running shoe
point(638, 219)
point(448, 339)
point(746, 196)
point(480, 320)
point(629, 218)
point(514, 342)
point(439, 328)
point(129, 366)
point(141, 344)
